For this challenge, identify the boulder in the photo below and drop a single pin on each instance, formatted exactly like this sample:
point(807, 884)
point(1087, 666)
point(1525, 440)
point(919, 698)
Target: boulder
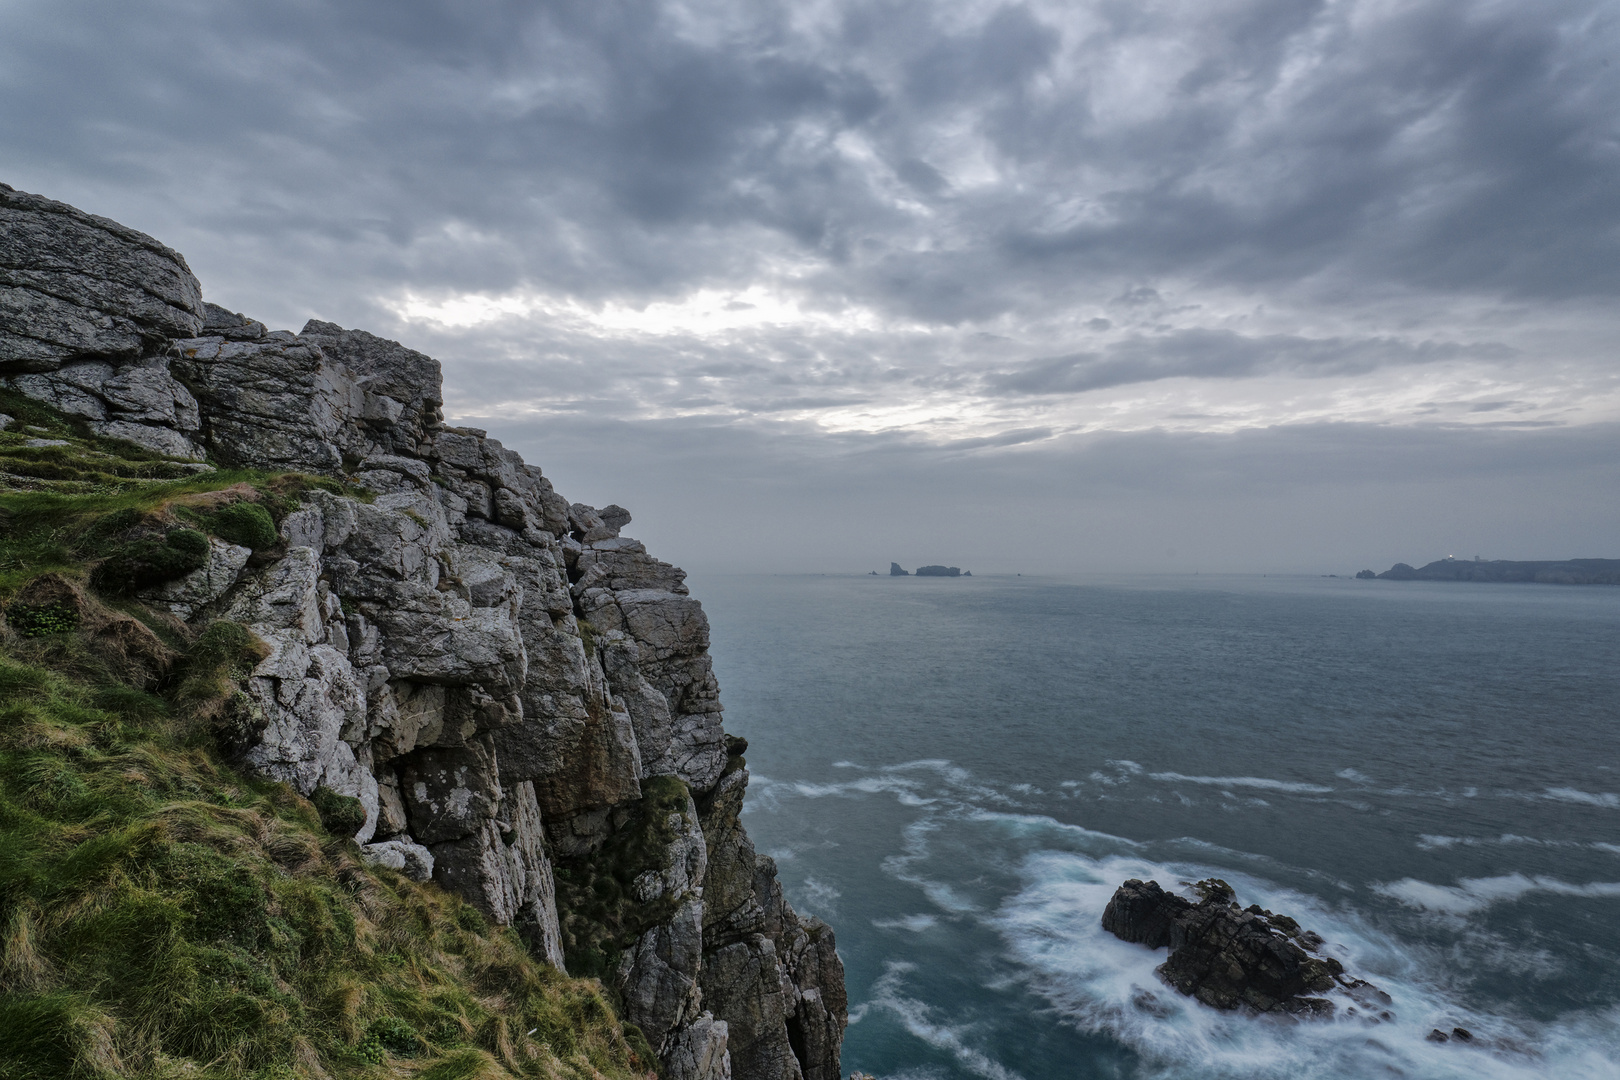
point(1230, 957)
point(74, 285)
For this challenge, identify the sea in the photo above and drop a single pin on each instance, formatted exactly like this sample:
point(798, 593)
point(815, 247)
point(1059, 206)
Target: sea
point(956, 773)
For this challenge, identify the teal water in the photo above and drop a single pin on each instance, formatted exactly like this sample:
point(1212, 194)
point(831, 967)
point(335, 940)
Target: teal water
point(957, 773)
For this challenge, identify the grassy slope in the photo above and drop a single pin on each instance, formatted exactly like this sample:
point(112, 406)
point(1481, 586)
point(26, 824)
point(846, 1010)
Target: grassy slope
point(162, 914)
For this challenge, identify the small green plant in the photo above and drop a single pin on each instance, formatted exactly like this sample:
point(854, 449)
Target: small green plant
point(395, 1035)
point(371, 1050)
point(341, 815)
point(39, 621)
point(244, 523)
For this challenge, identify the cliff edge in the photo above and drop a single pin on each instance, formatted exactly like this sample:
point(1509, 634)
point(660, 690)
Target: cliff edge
point(517, 697)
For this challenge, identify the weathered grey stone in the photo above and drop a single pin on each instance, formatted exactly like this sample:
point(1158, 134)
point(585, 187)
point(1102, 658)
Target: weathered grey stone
point(306, 695)
point(270, 403)
point(449, 792)
point(76, 285)
point(698, 1051)
point(187, 595)
point(164, 440)
point(411, 859)
point(821, 1007)
point(400, 386)
point(232, 326)
point(657, 977)
point(742, 984)
point(534, 887)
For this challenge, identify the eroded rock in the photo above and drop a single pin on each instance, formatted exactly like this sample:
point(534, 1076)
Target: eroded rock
point(1230, 957)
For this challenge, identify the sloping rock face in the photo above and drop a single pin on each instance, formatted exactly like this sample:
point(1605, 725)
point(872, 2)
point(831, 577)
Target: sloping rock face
point(520, 697)
point(1230, 957)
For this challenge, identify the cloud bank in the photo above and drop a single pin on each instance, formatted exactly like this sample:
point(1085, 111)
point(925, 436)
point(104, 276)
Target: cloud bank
point(1109, 257)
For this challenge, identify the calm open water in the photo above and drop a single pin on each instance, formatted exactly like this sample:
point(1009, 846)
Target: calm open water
point(957, 773)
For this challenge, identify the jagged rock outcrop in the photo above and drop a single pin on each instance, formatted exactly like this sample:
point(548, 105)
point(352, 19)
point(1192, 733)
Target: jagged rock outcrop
point(1230, 957)
point(520, 697)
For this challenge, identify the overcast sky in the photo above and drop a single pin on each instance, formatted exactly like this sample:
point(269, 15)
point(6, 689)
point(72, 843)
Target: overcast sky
point(1258, 285)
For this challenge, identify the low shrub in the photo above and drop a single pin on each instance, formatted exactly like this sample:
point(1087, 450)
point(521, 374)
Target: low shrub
point(244, 523)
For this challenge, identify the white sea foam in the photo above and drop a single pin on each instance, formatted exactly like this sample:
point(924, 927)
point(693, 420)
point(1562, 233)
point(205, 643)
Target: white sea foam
point(1243, 782)
point(1606, 799)
point(914, 923)
point(1096, 982)
point(1428, 842)
point(921, 1020)
point(1472, 895)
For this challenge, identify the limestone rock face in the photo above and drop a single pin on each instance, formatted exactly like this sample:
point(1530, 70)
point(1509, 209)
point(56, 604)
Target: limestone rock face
point(520, 696)
point(73, 285)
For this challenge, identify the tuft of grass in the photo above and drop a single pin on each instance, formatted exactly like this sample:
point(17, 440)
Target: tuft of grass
point(244, 523)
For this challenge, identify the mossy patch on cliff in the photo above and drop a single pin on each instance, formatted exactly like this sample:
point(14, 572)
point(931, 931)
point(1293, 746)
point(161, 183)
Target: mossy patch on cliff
point(596, 900)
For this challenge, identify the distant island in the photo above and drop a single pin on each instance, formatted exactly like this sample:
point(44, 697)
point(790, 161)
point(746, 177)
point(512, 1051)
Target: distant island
point(928, 571)
point(1560, 572)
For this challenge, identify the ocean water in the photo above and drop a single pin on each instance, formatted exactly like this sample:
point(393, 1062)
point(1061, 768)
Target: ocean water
point(957, 773)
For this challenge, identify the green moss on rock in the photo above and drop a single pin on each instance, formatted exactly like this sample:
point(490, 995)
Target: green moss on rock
point(596, 902)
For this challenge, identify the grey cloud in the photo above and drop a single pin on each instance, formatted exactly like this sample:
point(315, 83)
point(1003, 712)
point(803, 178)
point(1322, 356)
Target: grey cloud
point(600, 150)
point(1223, 354)
point(1117, 190)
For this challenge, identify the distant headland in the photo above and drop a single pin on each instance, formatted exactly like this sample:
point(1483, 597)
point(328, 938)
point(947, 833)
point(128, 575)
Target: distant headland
point(1556, 572)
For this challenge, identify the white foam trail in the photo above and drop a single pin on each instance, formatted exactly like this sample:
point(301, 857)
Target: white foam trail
point(914, 923)
point(1243, 782)
point(1053, 929)
point(1472, 895)
point(1031, 824)
point(1427, 842)
point(1606, 799)
point(918, 1018)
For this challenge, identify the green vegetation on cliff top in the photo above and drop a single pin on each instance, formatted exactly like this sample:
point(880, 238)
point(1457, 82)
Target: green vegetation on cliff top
point(164, 915)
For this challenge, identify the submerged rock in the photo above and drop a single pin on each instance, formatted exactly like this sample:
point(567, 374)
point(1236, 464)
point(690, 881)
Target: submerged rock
point(1230, 957)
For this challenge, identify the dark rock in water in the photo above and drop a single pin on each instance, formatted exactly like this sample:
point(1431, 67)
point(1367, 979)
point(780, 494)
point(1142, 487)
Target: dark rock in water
point(1365, 575)
point(1143, 913)
point(895, 571)
point(1229, 957)
point(939, 571)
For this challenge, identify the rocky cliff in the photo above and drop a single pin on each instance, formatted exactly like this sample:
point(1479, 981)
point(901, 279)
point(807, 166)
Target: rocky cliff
point(519, 696)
